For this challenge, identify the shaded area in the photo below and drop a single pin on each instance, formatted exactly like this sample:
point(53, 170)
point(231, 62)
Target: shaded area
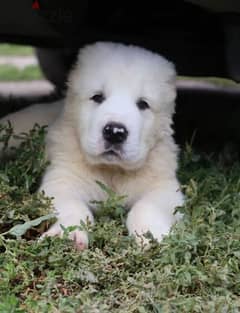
point(208, 118)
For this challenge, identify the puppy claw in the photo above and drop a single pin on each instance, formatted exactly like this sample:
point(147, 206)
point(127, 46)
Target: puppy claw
point(51, 233)
point(80, 246)
point(80, 238)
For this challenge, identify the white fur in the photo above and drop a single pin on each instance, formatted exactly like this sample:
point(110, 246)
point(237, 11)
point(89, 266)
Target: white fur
point(144, 170)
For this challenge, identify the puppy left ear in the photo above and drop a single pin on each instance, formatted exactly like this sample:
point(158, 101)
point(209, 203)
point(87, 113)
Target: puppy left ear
point(172, 74)
point(170, 90)
point(172, 81)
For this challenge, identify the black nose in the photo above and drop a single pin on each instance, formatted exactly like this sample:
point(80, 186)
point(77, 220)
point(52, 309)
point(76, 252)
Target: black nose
point(115, 133)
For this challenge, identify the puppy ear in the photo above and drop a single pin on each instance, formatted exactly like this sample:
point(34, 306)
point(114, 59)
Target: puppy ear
point(172, 80)
point(169, 90)
point(172, 73)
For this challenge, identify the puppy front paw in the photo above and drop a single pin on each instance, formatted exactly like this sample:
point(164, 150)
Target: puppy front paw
point(79, 237)
point(142, 220)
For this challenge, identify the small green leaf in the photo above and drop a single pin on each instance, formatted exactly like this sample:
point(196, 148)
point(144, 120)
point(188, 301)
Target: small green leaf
point(20, 229)
point(109, 191)
point(4, 178)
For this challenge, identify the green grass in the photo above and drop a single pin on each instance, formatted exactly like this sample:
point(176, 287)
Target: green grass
point(218, 81)
point(15, 50)
point(194, 269)
point(12, 73)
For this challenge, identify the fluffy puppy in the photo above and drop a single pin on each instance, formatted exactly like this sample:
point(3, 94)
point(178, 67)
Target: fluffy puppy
point(114, 127)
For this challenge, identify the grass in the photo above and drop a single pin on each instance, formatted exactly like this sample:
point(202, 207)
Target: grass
point(218, 81)
point(194, 269)
point(15, 50)
point(12, 73)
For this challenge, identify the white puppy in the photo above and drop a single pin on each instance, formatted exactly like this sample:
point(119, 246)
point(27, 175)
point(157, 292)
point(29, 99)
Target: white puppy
point(115, 127)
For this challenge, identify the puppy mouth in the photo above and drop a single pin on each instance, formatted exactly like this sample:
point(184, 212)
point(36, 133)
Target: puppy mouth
point(112, 153)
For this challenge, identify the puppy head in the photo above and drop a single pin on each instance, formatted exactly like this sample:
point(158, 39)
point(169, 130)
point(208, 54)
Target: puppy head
point(122, 98)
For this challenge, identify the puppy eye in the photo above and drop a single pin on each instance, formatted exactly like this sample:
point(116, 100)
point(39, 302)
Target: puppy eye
point(142, 104)
point(98, 98)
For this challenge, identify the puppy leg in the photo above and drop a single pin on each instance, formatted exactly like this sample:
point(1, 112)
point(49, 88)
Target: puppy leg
point(71, 209)
point(154, 213)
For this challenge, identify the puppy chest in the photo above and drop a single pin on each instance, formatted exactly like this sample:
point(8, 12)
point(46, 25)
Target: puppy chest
point(114, 190)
